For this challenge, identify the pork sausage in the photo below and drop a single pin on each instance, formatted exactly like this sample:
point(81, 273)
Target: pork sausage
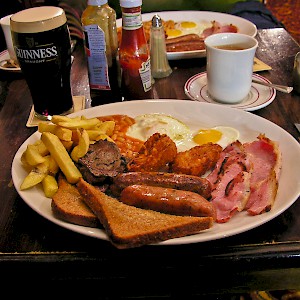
point(170, 180)
point(184, 38)
point(188, 42)
point(167, 200)
point(185, 46)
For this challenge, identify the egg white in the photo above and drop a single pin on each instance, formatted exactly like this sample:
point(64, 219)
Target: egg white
point(229, 135)
point(148, 124)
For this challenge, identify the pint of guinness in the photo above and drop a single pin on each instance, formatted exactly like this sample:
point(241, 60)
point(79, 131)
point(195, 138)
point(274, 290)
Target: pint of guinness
point(42, 44)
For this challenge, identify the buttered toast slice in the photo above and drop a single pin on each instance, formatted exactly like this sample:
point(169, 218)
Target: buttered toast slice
point(128, 226)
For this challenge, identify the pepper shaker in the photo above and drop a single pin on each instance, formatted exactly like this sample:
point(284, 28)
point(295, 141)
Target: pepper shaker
point(296, 73)
point(160, 67)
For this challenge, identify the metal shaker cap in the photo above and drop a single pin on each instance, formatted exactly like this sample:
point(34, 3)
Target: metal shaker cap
point(156, 21)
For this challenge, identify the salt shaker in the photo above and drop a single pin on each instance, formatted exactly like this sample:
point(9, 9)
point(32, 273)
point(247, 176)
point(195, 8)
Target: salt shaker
point(296, 73)
point(160, 67)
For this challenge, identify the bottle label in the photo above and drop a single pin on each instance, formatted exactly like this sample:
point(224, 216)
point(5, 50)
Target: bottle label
point(145, 73)
point(95, 48)
point(132, 21)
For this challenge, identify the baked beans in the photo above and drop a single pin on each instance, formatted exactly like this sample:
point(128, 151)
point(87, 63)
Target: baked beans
point(128, 146)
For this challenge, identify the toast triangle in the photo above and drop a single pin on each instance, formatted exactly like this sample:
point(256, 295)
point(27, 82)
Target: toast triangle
point(67, 204)
point(128, 226)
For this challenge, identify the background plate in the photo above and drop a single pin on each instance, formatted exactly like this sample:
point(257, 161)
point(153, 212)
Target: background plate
point(244, 26)
point(196, 115)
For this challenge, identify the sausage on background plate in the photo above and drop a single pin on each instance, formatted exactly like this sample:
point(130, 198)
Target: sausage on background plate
point(167, 200)
point(188, 42)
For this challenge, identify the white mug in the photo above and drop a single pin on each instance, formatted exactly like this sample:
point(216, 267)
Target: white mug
point(5, 24)
point(229, 66)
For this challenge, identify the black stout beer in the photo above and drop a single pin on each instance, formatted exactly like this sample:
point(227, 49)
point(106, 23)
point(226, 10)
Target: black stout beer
point(42, 44)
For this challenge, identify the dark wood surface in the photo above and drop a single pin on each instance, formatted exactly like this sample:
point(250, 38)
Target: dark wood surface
point(36, 251)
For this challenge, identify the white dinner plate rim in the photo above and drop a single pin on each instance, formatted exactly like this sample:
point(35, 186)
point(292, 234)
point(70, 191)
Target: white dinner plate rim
point(250, 126)
point(4, 56)
point(260, 96)
point(249, 28)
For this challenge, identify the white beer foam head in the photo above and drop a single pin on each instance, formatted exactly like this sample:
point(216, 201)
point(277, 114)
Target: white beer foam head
point(38, 19)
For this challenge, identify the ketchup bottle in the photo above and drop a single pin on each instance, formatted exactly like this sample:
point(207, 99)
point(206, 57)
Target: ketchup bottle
point(134, 53)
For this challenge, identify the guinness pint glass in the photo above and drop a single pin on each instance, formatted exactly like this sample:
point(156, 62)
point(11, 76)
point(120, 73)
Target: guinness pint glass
point(42, 44)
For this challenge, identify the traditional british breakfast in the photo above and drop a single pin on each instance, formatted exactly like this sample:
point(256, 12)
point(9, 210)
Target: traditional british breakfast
point(186, 35)
point(150, 178)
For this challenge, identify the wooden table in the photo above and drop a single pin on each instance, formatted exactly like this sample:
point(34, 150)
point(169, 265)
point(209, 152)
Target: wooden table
point(34, 250)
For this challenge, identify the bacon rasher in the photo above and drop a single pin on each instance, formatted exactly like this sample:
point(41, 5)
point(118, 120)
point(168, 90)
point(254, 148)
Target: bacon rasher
point(246, 178)
point(231, 182)
point(218, 28)
point(265, 157)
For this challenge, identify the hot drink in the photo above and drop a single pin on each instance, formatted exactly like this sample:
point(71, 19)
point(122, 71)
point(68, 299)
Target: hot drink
point(229, 66)
point(42, 45)
point(233, 47)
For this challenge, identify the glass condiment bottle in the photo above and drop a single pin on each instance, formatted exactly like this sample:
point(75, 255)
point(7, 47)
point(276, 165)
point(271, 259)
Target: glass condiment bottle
point(160, 67)
point(101, 48)
point(296, 73)
point(134, 53)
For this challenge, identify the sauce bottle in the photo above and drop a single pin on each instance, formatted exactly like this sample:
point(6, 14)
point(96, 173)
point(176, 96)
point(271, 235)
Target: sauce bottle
point(134, 53)
point(296, 73)
point(101, 48)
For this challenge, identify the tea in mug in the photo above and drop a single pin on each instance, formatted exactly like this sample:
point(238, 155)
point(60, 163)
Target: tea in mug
point(232, 47)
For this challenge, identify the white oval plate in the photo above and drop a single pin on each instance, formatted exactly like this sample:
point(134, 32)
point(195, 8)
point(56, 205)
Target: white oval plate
point(259, 96)
point(196, 115)
point(244, 26)
point(4, 57)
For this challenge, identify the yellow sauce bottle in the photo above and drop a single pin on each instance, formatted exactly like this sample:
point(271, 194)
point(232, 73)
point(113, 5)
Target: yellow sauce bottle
point(101, 48)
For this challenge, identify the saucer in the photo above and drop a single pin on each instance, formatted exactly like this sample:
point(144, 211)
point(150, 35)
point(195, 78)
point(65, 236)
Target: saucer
point(258, 97)
point(4, 57)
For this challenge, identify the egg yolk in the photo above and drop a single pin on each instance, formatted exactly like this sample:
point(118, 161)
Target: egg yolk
point(205, 136)
point(188, 25)
point(173, 33)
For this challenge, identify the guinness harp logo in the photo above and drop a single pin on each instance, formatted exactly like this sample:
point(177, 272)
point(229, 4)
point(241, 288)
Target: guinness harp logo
point(30, 42)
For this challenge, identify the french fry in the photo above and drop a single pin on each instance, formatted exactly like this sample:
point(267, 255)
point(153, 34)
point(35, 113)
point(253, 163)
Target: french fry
point(32, 155)
point(106, 127)
point(41, 148)
point(75, 136)
point(105, 137)
point(35, 176)
point(24, 162)
point(53, 165)
point(50, 186)
point(68, 145)
point(84, 124)
point(83, 145)
point(57, 118)
point(64, 134)
point(94, 134)
point(46, 127)
point(61, 156)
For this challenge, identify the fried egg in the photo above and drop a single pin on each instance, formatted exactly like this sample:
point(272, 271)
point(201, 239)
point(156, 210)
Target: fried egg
point(184, 138)
point(173, 32)
point(148, 124)
point(186, 27)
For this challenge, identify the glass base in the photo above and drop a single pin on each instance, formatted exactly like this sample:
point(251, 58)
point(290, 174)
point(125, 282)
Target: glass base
point(49, 117)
